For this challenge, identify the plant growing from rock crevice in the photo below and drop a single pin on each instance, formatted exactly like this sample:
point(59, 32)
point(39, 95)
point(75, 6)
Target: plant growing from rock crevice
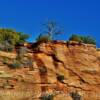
point(43, 69)
point(15, 64)
point(47, 97)
point(75, 95)
point(60, 78)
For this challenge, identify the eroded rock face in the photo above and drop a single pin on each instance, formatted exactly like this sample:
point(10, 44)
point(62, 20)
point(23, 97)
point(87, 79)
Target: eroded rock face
point(78, 63)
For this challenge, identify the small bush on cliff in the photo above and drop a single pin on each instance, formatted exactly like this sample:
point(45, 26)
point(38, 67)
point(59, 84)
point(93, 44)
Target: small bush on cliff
point(43, 38)
point(5, 46)
point(75, 37)
point(84, 39)
point(47, 97)
point(15, 64)
point(75, 96)
point(5, 60)
point(60, 78)
point(89, 40)
point(23, 57)
point(43, 70)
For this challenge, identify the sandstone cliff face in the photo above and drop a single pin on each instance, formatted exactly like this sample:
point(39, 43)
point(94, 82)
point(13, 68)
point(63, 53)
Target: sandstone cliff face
point(78, 63)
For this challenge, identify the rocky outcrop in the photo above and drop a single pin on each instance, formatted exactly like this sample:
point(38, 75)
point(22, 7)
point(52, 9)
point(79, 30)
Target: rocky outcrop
point(77, 62)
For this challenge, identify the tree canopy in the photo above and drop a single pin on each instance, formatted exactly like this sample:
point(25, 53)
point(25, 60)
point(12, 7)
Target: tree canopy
point(12, 37)
point(9, 38)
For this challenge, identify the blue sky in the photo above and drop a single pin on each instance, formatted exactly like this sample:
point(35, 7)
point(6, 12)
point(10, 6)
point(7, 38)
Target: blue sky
point(74, 16)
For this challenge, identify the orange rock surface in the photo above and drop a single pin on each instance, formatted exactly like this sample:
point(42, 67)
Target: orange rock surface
point(78, 63)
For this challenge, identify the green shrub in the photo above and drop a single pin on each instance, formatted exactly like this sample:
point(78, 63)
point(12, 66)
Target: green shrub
point(47, 97)
point(75, 96)
point(75, 37)
point(15, 64)
point(5, 46)
point(9, 48)
point(5, 60)
point(60, 78)
point(84, 39)
point(89, 40)
point(43, 38)
point(11, 36)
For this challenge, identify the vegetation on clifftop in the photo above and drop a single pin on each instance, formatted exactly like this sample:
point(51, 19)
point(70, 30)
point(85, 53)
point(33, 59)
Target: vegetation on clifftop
point(82, 39)
point(9, 38)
